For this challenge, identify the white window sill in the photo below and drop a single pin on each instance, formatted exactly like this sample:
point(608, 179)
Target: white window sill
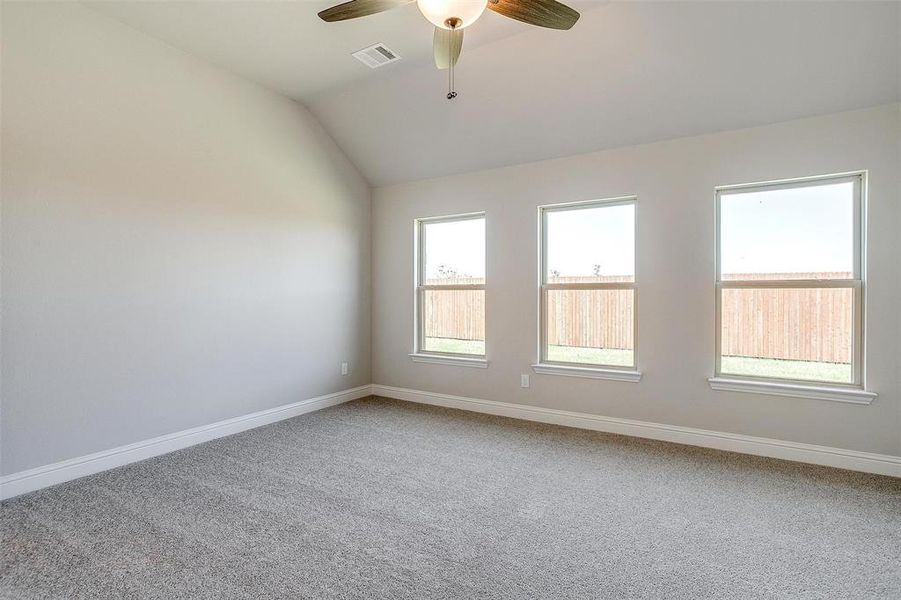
point(588, 372)
point(774, 388)
point(456, 361)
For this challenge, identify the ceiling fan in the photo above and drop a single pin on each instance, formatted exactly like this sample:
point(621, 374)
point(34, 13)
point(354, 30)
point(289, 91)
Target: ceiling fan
point(450, 17)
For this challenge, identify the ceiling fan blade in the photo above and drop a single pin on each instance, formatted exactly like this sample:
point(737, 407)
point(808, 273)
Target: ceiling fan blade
point(359, 8)
point(447, 45)
point(544, 13)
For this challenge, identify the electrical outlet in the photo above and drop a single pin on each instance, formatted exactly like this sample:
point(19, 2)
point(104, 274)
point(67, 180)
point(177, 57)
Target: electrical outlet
point(344, 368)
point(524, 381)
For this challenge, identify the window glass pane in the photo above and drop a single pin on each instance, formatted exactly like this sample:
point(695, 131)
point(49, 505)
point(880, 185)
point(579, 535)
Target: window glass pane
point(594, 244)
point(454, 321)
point(454, 252)
point(800, 333)
point(794, 233)
point(590, 327)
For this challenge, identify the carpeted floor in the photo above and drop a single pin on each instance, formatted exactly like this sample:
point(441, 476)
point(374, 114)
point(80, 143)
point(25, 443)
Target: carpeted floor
point(384, 499)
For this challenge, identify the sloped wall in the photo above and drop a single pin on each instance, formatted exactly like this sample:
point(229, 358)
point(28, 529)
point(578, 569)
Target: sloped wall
point(179, 246)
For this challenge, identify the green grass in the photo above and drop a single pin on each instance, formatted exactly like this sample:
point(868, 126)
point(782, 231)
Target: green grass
point(569, 354)
point(731, 365)
point(787, 369)
point(590, 356)
point(451, 346)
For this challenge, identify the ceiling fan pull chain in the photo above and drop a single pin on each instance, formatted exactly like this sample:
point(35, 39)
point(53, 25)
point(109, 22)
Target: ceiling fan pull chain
point(451, 94)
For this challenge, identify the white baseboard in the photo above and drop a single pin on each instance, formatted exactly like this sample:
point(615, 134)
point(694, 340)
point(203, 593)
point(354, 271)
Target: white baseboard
point(881, 464)
point(41, 477)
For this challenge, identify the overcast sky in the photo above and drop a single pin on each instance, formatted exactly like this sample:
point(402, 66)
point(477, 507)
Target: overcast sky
point(808, 229)
point(779, 231)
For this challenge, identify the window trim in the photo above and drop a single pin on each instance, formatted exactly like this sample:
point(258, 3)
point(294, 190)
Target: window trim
point(419, 353)
point(587, 370)
point(807, 388)
point(458, 360)
point(770, 387)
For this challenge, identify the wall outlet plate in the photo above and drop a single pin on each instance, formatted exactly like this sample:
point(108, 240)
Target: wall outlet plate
point(524, 381)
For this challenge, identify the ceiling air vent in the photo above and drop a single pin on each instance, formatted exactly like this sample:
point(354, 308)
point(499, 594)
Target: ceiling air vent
point(376, 56)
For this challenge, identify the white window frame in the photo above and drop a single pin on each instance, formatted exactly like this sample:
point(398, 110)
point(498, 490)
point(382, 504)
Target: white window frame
point(826, 390)
point(419, 353)
point(591, 371)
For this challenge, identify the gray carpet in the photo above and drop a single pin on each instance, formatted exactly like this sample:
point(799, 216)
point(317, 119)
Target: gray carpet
point(383, 499)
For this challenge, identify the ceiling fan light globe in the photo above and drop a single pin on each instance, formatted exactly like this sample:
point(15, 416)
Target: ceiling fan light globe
point(439, 11)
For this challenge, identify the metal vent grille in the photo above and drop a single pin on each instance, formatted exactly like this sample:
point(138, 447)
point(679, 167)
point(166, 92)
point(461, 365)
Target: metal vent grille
point(376, 56)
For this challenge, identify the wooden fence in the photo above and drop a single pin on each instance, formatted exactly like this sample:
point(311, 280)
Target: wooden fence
point(590, 318)
point(796, 324)
point(455, 314)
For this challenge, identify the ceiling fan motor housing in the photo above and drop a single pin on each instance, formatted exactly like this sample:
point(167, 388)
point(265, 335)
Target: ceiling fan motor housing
point(439, 12)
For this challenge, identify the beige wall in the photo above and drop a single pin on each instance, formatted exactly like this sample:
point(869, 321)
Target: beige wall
point(674, 182)
point(179, 246)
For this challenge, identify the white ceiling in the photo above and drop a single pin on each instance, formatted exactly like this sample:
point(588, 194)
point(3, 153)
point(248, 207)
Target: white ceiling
point(283, 44)
point(627, 73)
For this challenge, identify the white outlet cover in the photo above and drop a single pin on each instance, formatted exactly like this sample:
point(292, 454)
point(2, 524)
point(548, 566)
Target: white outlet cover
point(524, 381)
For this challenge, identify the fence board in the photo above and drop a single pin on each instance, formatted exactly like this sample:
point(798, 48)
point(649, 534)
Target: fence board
point(801, 324)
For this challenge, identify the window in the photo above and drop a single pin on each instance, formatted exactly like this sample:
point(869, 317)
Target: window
point(789, 281)
point(588, 285)
point(450, 286)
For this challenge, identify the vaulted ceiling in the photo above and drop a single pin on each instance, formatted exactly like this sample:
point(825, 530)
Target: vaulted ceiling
point(627, 73)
